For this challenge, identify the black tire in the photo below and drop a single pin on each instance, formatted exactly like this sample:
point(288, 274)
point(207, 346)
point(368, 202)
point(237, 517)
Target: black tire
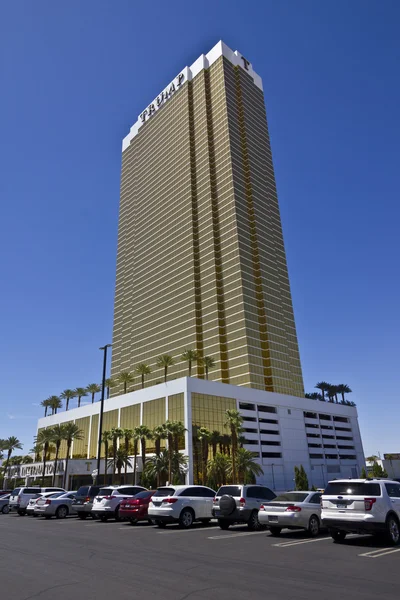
point(186, 518)
point(161, 524)
point(227, 505)
point(392, 530)
point(133, 521)
point(103, 518)
point(21, 513)
point(275, 531)
point(116, 514)
point(224, 524)
point(5, 510)
point(338, 535)
point(253, 523)
point(313, 526)
point(61, 512)
point(47, 517)
point(94, 516)
point(82, 515)
point(205, 521)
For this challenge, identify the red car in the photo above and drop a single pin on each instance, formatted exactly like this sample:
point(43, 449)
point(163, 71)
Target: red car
point(135, 509)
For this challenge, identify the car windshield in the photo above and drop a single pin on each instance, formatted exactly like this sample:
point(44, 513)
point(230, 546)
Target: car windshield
point(56, 495)
point(106, 492)
point(144, 494)
point(291, 497)
point(230, 490)
point(15, 492)
point(83, 491)
point(164, 491)
point(352, 488)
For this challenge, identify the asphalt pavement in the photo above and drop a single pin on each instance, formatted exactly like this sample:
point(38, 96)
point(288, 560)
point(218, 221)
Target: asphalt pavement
point(89, 560)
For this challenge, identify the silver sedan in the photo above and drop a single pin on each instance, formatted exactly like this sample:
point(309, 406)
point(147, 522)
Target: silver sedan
point(59, 507)
point(4, 506)
point(292, 510)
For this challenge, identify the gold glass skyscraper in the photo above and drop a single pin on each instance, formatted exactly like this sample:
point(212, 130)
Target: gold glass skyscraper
point(201, 261)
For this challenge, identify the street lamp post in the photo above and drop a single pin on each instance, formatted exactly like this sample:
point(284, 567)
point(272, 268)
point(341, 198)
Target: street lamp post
point(103, 385)
point(273, 476)
point(323, 474)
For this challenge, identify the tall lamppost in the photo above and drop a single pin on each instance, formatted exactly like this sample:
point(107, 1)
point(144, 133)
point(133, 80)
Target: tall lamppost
point(323, 474)
point(273, 476)
point(103, 385)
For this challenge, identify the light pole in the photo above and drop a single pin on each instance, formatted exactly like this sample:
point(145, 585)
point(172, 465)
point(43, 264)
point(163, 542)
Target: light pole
point(273, 476)
point(103, 384)
point(323, 474)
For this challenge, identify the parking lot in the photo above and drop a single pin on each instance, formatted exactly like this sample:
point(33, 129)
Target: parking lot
point(93, 560)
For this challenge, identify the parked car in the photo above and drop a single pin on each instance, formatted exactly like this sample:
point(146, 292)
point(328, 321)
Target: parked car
point(181, 504)
point(4, 504)
point(30, 509)
point(362, 506)
point(58, 505)
point(20, 497)
point(5, 493)
point(240, 504)
point(83, 502)
point(292, 510)
point(106, 503)
point(136, 509)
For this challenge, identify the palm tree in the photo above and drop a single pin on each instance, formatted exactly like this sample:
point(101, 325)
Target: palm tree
point(159, 434)
point(218, 470)
point(343, 389)
point(93, 388)
point(44, 438)
point(67, 395)
point(208, 363)
point(106, 438)
point(121, 460)
point(117, 433)
point(80, 392)
point(247, 467)
point(226, 441)
point(179, 432)
point(234, 421)
point(324, 387)
point(165, 361)
point(157, 467)
point(127, 434)
point(135, 439)
point(71, 432)
point(204, 435)
point(214, 440)
point(54, 403)
point(170, 429)
point(190, 356)
point(142, 369)
point(57, 436)
point(179, 466)
point(126, 377)
point(110, 383)
point(10, 444)
point(144, 434)
point(314, 396)
point(46, 405)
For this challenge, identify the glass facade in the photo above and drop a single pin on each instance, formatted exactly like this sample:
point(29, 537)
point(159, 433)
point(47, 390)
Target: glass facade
point(153, 415)
point(94, 431)
point(80, 447)
point(176, 411)
point(130, 416)
point(201, 262)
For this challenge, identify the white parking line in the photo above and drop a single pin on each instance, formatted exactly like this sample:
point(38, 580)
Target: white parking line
point(168, 532)
point(298, 542)
point(379, 553)
point(232, 535)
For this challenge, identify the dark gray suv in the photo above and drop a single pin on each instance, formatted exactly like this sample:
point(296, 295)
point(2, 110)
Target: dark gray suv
point(240, 504)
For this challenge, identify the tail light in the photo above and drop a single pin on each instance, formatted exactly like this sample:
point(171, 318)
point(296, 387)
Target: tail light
point(215, 500)
point(47, 501)
point(242, 501)
point(105, 498)
point(87, 499)
point(262, 507)
point(293, 509)
point(170, 500)
point(368, 503)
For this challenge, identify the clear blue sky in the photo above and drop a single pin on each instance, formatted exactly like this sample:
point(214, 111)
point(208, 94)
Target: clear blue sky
point(74, 76)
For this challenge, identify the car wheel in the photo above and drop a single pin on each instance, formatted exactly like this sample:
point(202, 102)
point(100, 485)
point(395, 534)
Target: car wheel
point(94, 516)
point(313, 526)
point(82, 515)
point(133, 521)
point(21, 513)
point(186, 518)
point(393, 531)
point(223, 524)
point(253, 523)
point(61, 512)
point(103, 518)
point(275, 531)
point(47, 517)
point(338, 535)
point(205, 521)
point(161, 524)
point(5, 510)
point(116, 514)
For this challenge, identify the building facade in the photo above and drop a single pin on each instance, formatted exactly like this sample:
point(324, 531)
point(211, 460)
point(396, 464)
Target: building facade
point(283, 431)
point(201, 261)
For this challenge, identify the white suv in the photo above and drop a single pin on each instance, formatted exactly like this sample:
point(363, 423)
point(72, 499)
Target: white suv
point(106, 503)
point(362, 506)
point(181, 504)
point(20, 497)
